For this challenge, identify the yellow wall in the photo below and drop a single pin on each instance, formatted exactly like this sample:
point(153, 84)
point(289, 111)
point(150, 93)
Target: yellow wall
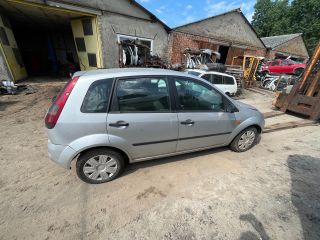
point(91, 43)
point(18, 72)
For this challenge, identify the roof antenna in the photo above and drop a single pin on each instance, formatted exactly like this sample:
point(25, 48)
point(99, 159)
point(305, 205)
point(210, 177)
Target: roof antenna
point(241, 5)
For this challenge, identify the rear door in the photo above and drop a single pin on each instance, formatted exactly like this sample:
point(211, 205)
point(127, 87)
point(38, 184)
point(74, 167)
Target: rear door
point(215, 79)
point(141, 120)
point(202, 115)
point(275, 67)
point(286, 67)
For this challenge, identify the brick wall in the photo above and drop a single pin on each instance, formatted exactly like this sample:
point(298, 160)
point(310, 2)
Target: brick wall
point(180, 41)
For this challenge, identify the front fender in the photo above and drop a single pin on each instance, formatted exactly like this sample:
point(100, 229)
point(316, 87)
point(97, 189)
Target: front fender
point(243, 125)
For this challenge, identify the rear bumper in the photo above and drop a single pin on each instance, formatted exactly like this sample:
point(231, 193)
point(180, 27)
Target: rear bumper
point(62, 155)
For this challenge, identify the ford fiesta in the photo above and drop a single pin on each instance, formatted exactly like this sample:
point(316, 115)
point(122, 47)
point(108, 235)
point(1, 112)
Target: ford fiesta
point(105, 119)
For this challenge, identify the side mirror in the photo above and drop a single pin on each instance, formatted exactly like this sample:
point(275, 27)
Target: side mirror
point(231, 108)
point(53, 99)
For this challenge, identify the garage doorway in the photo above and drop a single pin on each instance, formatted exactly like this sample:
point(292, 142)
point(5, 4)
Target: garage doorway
point(223, 50)
point(51, 41)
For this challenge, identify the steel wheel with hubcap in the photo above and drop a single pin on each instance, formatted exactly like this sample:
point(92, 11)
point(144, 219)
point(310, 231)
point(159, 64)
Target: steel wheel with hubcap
point(245, 140)
point(99, 165)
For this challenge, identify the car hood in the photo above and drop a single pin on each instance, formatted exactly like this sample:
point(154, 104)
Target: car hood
point(244, 105)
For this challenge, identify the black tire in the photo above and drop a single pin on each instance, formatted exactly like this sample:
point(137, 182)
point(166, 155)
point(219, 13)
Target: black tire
point(264, 73)
point(298, 71)
point(95, 153)
point(235, 146)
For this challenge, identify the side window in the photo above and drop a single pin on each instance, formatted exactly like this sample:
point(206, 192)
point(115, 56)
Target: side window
point(275, 63)
point(97, 97)
point(143, 95)
point(194, 96)
point(217, 79)
point(207, 77)
point(228, 80)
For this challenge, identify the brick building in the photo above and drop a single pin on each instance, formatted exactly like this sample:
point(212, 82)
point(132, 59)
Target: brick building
point(229, 33)
point(284, 46)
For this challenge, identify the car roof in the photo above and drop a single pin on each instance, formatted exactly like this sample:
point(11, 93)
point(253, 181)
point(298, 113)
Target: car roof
point(123, 72)
point(196, 70)
point(210, 72)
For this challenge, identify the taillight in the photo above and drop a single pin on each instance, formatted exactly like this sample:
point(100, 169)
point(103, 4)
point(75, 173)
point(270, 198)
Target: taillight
point(57, 106)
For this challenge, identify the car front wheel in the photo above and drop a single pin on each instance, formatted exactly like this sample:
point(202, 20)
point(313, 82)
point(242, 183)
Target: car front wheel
point(244, 140)
point(99, 166)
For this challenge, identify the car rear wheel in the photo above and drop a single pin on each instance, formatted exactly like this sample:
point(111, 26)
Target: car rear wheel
point(244, 140)
point(99, 166)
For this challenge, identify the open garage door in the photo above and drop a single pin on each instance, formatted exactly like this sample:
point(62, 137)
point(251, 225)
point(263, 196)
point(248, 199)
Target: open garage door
point(10, 50)
point(48, 39)
point(86, 38)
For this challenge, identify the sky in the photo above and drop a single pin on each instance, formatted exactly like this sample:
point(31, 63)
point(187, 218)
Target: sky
point(178, 12)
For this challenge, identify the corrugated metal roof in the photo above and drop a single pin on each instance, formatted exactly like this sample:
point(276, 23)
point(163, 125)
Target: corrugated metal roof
point(275, 41)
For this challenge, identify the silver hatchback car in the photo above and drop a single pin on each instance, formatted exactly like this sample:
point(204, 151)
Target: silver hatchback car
point(108, 118)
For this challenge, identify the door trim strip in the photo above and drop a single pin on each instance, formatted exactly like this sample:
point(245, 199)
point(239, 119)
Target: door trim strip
point(179, 139)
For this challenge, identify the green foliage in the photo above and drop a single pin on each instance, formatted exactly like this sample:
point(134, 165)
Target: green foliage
point(279, 17)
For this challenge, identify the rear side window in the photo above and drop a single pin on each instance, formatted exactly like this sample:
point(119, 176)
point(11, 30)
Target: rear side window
point(207, 77)
point(228, 80)
point(97, 97)
point(217, 79)
point(143, 95)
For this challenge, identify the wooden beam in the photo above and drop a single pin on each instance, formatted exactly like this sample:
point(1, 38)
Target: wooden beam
point(272, 114)
point(288, 125)
point(310, 66)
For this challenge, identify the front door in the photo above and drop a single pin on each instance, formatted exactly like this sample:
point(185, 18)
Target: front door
point(141, 120)
point(202, 115)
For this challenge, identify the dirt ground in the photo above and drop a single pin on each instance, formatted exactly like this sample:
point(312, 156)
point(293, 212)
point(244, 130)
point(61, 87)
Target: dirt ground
point(269, 192)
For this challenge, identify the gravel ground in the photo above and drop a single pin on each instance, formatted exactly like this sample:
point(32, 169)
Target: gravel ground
point(269, 192)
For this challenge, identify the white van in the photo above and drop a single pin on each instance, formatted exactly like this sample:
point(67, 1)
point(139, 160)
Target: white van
point(224, 82)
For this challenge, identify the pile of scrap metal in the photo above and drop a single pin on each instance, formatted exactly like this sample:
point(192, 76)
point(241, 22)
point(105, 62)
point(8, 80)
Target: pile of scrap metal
point(304, 97)
point(133, 53)
point(197, 58)
point(8, 87)
point(278, 83)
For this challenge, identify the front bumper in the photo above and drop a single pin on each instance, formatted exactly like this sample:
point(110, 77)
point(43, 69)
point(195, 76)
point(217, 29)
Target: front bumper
point(62, 155)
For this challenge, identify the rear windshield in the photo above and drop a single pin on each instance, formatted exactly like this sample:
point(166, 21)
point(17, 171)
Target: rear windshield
point(97, 97)
point(194, 73)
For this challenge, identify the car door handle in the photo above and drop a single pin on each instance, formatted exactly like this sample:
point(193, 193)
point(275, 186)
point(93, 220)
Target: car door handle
point(188, 122)
point(119, 124)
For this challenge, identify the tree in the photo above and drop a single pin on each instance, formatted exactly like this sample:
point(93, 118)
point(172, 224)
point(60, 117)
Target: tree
point(305, 18)
point(260, 19)
point(270, 17)
point(280, 17)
